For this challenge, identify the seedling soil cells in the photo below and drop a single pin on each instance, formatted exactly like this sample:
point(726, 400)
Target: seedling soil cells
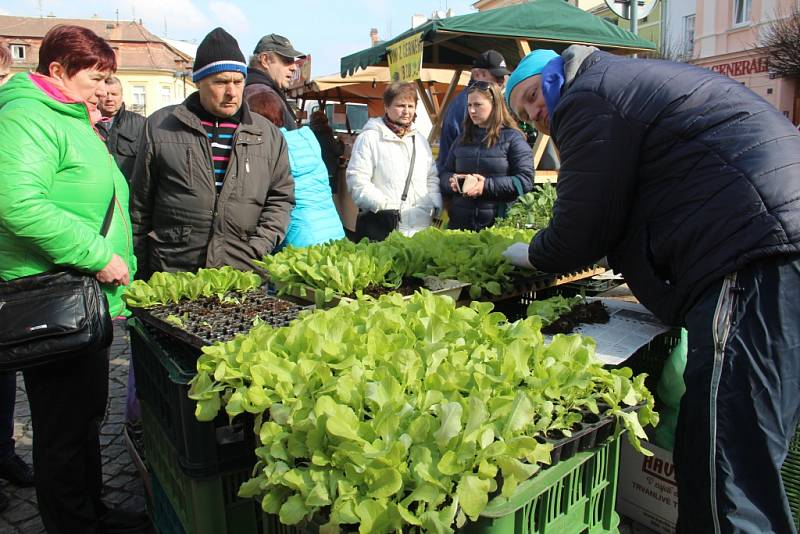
point(408, 287)
point(588, 312)
point(212, 320)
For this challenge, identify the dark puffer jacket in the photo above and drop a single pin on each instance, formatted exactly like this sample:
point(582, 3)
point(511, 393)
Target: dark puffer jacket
point(123, 139)
point(260, 82)
point(507, 167)
point(678, 174)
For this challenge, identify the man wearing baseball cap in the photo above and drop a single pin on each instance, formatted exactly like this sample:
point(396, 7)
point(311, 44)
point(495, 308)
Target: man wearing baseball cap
point(211, 182)
point(271, 69)
point(490, 66)
point(690, 184)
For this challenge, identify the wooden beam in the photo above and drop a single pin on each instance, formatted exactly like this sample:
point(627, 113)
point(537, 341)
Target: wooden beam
point(538, 148)
point(434, 100)
point(545, 177)
point(469, 52)
point(448, 96)
point(426, 99)
point(523, 47)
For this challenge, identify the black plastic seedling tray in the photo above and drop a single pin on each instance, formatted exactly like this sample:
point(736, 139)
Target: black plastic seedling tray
point(593, 431)
point(208, 320)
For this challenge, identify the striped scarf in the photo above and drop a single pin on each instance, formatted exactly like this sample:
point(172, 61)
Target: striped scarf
point(400, 130)
point(220, 134)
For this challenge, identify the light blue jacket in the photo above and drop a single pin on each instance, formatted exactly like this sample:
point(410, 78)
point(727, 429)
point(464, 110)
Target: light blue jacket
point(314, 218)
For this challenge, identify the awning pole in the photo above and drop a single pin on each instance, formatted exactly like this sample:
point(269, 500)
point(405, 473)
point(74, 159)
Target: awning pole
point(523, 47)
point(538, 148)
point(448, 96)
point(426, 100)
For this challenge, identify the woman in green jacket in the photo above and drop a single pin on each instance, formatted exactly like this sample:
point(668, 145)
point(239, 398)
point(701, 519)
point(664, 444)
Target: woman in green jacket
point(56, 182)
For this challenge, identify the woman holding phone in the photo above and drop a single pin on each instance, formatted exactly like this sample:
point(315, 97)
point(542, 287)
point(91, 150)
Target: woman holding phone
point(490, 165)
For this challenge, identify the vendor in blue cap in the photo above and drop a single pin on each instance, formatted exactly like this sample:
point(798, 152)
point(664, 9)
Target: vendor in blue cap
point(690, 184)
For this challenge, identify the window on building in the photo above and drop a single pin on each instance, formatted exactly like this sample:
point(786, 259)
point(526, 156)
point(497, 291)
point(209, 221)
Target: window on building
point(166, 95)
point(139, 94)
point(611, 20)
point(688, 37)
point(741, 11)
point(18, 51)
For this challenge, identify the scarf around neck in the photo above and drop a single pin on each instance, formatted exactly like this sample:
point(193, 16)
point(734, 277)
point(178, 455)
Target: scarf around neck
point(552, 82)
point(396, 128)
point(56, 90)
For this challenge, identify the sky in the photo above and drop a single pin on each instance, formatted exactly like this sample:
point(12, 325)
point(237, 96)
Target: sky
point(327, 29)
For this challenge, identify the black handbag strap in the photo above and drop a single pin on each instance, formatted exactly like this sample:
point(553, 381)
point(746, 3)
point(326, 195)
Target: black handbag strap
point(109, 214)
point(410, 168)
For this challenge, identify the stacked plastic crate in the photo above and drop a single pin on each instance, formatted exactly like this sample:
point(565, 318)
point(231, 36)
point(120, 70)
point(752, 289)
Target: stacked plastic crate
point(196, 468)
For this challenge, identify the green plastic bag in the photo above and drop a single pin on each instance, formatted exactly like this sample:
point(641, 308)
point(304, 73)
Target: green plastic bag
point(670, 389)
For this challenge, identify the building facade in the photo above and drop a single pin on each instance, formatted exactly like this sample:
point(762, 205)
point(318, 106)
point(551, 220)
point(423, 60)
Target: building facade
point(153, 72)
point(649, 26)
point(726, 40)
point(678, 29)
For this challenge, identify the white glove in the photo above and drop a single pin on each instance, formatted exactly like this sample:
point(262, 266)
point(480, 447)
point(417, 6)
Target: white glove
point(517, 254)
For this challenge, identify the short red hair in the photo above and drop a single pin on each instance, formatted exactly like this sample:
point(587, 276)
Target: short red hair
point(76, 48)
point(268, 105)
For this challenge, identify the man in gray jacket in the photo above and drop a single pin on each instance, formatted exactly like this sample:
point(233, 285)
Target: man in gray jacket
point(211, 183)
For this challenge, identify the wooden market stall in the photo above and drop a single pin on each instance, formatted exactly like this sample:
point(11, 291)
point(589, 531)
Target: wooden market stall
point(366, 87)
point(454, 42)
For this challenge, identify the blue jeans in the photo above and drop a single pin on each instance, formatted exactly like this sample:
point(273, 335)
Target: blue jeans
point(8, 398)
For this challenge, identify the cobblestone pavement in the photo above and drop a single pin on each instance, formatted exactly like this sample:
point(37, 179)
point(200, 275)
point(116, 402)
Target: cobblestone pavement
point(123, 486)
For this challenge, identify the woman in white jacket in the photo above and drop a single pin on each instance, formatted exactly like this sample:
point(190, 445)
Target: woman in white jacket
point(379, 169)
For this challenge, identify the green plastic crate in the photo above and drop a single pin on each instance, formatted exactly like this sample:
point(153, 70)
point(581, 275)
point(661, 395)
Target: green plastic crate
point(202, 505)
point(790, 472)
point(164, 518)
point(575, 496)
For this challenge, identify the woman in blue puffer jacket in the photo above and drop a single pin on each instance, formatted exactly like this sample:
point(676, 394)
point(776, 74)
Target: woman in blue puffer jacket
point(314, 218)
point(490, 165)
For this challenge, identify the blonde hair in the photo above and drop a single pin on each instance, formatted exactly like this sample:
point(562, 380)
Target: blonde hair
point(498, 119)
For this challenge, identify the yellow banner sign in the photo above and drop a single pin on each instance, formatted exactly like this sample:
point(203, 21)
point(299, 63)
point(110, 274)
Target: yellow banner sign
point(405, 59)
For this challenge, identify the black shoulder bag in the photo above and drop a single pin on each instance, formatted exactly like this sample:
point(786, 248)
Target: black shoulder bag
point(47, 316)
point(377, 225)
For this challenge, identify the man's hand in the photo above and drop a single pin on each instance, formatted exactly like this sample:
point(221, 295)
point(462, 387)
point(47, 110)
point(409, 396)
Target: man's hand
point(517, 254)
point(116, 273)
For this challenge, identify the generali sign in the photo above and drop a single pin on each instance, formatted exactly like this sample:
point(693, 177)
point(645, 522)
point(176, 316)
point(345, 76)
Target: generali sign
point(743, 67)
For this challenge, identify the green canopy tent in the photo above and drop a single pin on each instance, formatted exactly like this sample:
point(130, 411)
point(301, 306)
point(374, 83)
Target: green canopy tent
point(454, 42)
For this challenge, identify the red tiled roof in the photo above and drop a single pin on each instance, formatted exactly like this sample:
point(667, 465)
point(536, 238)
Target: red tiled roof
point(136, 47)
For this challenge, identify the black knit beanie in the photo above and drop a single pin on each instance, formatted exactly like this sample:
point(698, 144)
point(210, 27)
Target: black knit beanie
point(218, 52)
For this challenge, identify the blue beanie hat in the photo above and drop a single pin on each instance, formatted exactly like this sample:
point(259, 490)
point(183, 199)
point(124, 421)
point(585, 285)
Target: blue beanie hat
point(531, 65)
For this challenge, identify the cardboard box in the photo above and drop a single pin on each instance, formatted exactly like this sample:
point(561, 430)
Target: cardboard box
point(647, 492)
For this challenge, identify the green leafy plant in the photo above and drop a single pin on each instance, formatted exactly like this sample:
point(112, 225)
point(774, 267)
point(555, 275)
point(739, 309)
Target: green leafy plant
point(552, 308)
point(345, 268)
point(531, 210)
point(396, 413)
point(336, 268)
point(163, 288)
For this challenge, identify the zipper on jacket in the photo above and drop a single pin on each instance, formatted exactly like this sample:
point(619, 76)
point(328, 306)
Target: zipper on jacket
point(209, 155)
point(118, 205)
